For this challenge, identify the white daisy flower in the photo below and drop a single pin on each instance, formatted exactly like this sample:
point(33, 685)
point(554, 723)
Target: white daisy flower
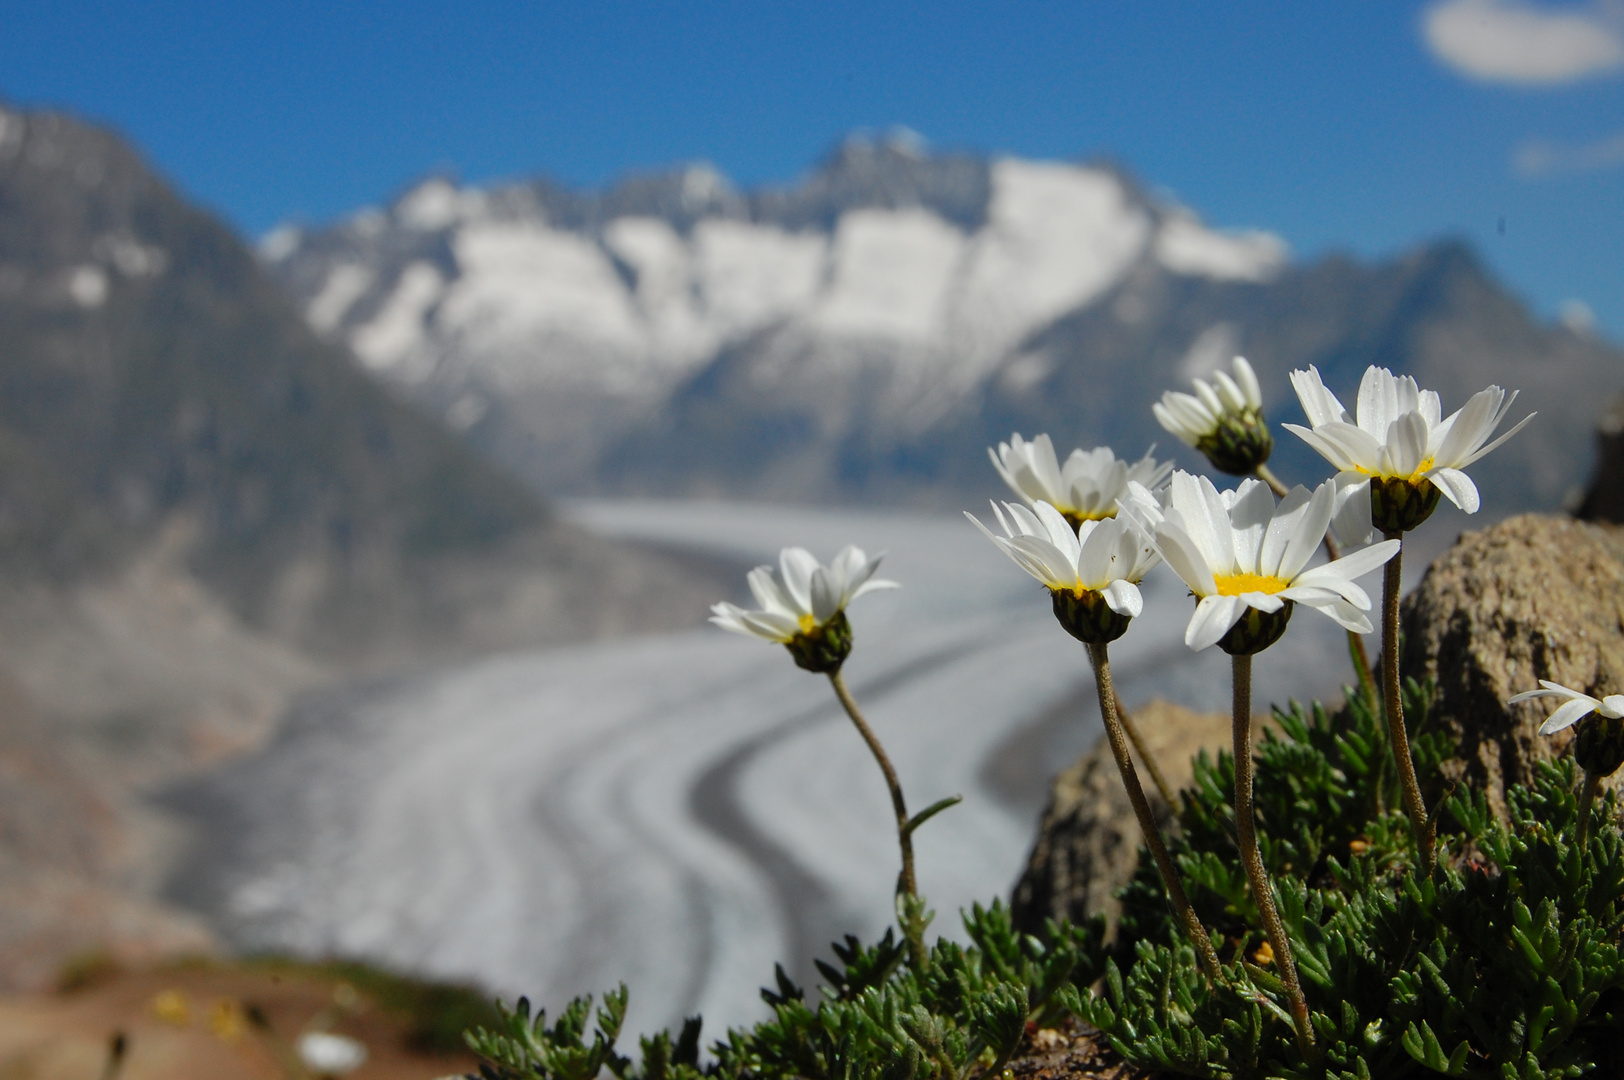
point(805, 609)
point(1400, 438)
point(1086, 489)
point(1223, 421)
point(1097, 564)
point(1575, 708)
point(1244, 558)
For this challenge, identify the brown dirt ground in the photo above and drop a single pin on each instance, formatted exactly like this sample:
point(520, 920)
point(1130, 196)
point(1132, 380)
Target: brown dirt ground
point(65, 1035)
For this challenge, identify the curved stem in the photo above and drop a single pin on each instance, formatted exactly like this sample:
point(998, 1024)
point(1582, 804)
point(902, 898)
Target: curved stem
point(1333, 552)
point(1246, 836)
point(1392, 576)
point(1147, 822)
point(907, 884)
point(1156, 777)
point(1587, 799)
point(1265, 474)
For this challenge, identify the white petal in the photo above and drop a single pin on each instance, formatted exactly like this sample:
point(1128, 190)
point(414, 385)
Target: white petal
point(768, 593)
point(1350, 519)
point(827, 595)
point(1206, 519)
point(1569, 714)
point(1457, 488)
point(1344, 615)
point(1263, 601)
point(1308, 531)
point(1319, 404)
point(1479, 453)
point(1247, 378)
point(1229, 392)
point(1473, 424)
point(1249, 518)
point(1406, 445)
point(872, 585)
point(1213, 617)
point(1326, 448)
point(1377, 406)
point(1280, 529)
point(1123, 598)
point(1353, 565)
point(797, 565)
point(1058, 530)
point(1612, 706)
point(1185, 558)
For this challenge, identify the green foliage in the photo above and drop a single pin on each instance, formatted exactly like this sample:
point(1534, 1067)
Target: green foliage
point(960, 1016)
point(1505, 963)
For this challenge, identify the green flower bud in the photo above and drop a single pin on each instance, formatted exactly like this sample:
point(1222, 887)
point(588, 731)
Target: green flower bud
point(1256, 631)
point(1398, 505)
point(822, 649)
point(1599, 745)
point(1087, 617)
point(1239, 444)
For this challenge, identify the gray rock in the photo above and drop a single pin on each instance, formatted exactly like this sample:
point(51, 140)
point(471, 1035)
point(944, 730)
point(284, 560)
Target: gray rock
point(1531, 598)
point(1088, 844)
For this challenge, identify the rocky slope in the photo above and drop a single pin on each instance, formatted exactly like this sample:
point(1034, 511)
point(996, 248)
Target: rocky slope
point(867, 332)
point(204, 509)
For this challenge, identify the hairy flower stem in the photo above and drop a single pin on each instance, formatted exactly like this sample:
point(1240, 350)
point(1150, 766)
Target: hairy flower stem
point(1333, 552)
point(1147, 821)
point(1392, 576)
point(907, 884)
point(1246, 836)
point(1156, 777)
point(1587, 799)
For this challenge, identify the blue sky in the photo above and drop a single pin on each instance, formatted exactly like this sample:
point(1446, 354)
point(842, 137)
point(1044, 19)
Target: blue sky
point(1366, 127)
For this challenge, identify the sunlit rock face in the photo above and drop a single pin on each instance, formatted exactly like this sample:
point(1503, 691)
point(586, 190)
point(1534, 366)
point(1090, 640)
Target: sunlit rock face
point(866, 332)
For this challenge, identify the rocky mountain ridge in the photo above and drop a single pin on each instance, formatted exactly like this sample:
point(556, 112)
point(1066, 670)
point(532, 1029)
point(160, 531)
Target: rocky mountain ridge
point(867, 332)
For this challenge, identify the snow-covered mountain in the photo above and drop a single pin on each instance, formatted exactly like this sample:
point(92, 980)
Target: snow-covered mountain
point(572, 317)
point(864, 332)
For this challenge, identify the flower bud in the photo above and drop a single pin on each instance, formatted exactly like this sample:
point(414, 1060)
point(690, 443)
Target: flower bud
point(822, 649)
point(1398, 504)
point(1087, 617)
point(1256, 630)
point(1599, 745)
point(1223, 420)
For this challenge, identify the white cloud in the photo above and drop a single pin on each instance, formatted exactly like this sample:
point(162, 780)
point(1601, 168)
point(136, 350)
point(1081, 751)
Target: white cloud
point(1518, 42)
point(1538, 158)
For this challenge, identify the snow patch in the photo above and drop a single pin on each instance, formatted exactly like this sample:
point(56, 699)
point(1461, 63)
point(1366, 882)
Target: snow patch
point(749, 275)
point(524, 284)
point(1185, 246)
point(130, 256)
point(663, 289)
point(891, 275)
point(397, 330)
point(280, 242)
point(430, 206)
point(344, 286)
point(88, 286)
point(1057, 236)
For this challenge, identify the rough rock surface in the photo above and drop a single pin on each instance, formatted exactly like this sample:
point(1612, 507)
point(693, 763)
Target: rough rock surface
point(1088, 843)
point(1531, 598)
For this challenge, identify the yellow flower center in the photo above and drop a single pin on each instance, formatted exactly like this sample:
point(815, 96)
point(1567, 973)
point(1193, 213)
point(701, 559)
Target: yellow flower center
point(1414, 478)
point(1235, 584)
point(1077, 517)
point(808, 624)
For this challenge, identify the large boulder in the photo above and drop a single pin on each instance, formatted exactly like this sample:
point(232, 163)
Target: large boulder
point(1531, 598)
point(1088, 844)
